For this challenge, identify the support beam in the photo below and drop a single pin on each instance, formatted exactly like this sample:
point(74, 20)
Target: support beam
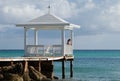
point(71, 69)
point(63, 69)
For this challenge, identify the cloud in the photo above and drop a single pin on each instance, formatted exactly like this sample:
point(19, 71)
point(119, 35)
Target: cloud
point(13, 11)
point(89, 5)
point(22, 10)
point(17, 13)
point(102, 17)
point(111, 16)
point(64, 8)
point(94, 16)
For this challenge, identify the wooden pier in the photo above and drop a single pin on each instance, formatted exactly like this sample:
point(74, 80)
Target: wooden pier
point(41, 64)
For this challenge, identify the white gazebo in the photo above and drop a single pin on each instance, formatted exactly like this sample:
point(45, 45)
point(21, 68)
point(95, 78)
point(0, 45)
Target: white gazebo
point(48, 22)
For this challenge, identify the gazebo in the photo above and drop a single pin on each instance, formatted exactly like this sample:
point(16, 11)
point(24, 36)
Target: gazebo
point(48, 22)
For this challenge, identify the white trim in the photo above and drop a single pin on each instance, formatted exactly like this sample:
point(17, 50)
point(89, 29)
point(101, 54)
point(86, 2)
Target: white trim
point(41, 24)
point(72, 26)
point(46, 27)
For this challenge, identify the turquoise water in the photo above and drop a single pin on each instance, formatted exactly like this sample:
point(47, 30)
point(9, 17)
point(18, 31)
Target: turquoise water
point(11, 53)
point(89, 65)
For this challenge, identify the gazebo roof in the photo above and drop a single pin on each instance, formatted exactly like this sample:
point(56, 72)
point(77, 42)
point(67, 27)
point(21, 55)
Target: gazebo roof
point(48, 21)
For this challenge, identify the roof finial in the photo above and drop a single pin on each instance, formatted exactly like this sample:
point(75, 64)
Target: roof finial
point(49, 7)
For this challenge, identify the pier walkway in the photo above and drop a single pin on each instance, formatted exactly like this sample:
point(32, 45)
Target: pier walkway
point(36, 58)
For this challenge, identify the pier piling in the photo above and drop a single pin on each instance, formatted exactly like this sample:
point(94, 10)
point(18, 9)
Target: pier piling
point(71, 69)
point(63, 69)
point(39, 68)
point(26, 66)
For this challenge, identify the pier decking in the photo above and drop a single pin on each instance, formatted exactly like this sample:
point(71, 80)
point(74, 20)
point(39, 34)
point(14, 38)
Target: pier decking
point(36, 58)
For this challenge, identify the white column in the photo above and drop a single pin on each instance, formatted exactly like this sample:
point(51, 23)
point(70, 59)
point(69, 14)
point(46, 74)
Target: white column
point(35, 37)
point(63, 40)
point(71, 35)
point(25, 40)
point(72, 38)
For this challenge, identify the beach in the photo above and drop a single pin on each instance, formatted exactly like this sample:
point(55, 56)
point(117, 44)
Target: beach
point(89, 65)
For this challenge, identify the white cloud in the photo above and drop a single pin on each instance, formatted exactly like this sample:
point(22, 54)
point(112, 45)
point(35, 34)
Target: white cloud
point(64, 8)
point(24, 11)
point(94, 17)
point(88, 5)
point(114, 9)
point(13, 11)
point(17, 13)
point(102, 17)
point(110, 18)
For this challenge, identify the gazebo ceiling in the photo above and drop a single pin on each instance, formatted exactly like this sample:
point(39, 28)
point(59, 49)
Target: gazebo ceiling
point(48, 21)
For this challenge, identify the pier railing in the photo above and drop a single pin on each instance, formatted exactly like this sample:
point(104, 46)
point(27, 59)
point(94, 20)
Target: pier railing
point(44, 51)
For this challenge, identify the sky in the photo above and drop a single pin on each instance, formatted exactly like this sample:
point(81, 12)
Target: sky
point(99, 21)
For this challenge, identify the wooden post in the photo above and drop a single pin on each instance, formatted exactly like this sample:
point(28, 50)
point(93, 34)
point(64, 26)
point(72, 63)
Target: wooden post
point(12, 63)
point(26, 66)
point(63, 69)
point(71, 69)
point(39, 66)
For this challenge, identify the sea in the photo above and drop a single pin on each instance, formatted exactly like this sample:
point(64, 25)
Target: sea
point(88, 65)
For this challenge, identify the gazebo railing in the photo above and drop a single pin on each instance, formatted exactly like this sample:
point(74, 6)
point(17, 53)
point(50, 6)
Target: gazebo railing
point(45, 51)
point(68, 50)
point(34, 50)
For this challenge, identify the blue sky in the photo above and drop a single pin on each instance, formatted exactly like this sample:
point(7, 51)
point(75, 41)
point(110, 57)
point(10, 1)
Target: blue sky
point(99, 21)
